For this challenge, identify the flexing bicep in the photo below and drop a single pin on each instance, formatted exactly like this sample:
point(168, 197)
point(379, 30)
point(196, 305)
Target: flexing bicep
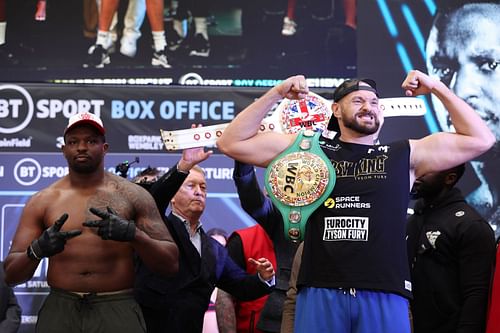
point(441, 151)
point(260, 149)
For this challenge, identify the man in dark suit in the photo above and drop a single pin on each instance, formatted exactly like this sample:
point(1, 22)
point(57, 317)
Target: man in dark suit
point(10, 311)
point(178, 304)
point(260, 207)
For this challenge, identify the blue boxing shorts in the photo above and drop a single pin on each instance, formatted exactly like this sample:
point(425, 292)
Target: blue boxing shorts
point(351, 311)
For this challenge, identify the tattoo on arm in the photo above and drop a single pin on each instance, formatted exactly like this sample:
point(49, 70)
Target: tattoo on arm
point(150, 221)
point(224, 308)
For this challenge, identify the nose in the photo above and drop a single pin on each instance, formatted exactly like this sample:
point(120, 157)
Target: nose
point(367, 105)
point(198, 190)
point(466, 82)
point(82, 145)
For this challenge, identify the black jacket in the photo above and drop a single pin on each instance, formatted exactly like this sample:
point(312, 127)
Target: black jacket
point(451, 250)
point(10, 311)
point(179, 302)
point(261, 209)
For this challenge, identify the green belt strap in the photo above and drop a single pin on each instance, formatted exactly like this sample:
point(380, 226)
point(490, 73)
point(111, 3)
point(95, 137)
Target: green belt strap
point(298, 181)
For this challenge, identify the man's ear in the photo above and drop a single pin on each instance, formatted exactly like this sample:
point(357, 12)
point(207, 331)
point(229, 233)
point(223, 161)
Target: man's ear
point(336, 112)
point(105, 147)
point(451, 178)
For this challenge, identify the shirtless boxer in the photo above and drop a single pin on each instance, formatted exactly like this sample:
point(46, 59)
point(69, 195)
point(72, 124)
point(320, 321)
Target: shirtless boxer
point(90, 261)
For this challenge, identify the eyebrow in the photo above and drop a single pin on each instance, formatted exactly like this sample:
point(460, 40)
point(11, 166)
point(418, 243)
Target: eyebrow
point(365, 99)
point(441, 59)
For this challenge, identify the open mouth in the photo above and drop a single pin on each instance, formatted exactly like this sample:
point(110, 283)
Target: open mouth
point(366, 116)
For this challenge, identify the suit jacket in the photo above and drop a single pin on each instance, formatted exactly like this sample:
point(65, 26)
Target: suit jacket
point(261, 209)
point(180, 301)
point(10, 311)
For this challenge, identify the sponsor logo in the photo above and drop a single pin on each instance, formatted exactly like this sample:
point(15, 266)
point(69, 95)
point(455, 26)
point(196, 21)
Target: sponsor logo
point(328, 146)
point(28, 171)
point(145, 142)
point(346, 228)
point(364, 169)
point(219, 173)
point(320, 82)
point(407, 285)
point(432, 237)
point(15, 143)
point(164, 81)
point(195, 79)
point(18, 107)
point(346, 202)
point(324, 82)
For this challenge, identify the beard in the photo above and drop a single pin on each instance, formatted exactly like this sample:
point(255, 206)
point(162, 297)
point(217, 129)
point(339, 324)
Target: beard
point(83, 168)
point(86, 167)
point(356, 126)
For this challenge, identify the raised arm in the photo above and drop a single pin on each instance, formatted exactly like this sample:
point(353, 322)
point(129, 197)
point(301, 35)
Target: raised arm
point(252, 199)
point(167, 186)
point(241, 139)
point(163, 191)
point(441, 151)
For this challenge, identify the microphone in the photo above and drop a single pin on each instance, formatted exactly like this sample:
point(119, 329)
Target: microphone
point(123, 167)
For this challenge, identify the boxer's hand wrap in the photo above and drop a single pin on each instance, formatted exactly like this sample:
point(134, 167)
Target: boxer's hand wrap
point(112, 226)
point(51, 241)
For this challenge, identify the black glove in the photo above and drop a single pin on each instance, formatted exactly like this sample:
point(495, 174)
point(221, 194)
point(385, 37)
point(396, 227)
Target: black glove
point(52, 240)
point(112, 226)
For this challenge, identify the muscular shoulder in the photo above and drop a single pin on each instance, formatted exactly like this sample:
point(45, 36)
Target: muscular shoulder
point(127, 190)
point(130, 197)
point(113, 182)
point(48, 195)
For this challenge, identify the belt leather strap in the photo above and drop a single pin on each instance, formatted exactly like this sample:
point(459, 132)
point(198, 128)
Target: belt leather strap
point(290, 116)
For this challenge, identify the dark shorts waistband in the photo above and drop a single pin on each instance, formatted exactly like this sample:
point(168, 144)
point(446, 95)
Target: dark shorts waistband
point(106, 295)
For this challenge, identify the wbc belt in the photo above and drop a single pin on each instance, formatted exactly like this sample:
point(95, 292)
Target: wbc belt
point(290, 116)
point(298, 181)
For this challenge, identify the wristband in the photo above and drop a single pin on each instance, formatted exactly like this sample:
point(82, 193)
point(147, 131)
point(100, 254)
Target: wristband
point(31, 254)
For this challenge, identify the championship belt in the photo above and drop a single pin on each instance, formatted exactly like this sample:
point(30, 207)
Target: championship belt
point(298, 181)
point(290, 116)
